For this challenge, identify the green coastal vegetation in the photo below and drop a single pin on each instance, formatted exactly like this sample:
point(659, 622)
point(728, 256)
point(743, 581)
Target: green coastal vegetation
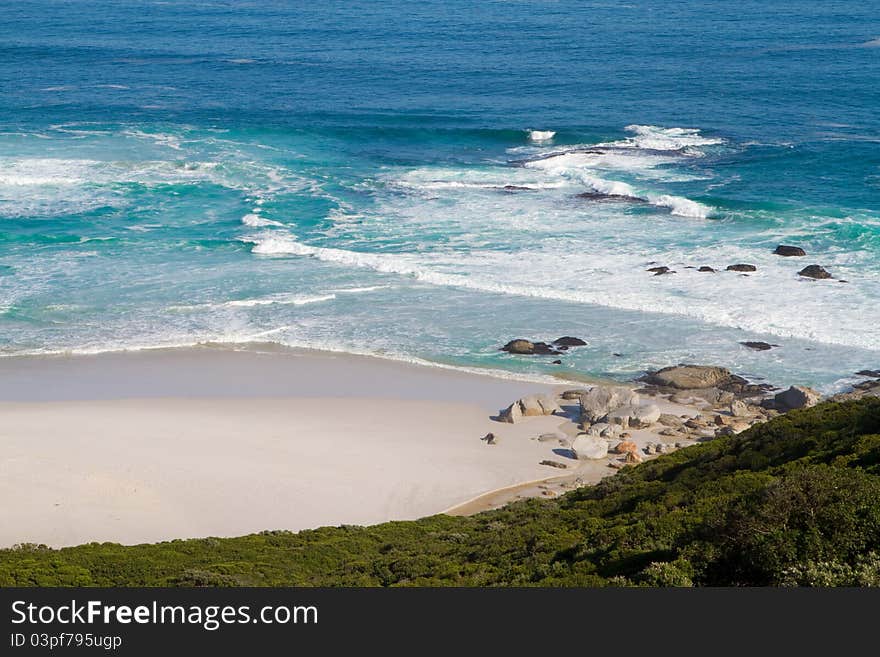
point(795, 501)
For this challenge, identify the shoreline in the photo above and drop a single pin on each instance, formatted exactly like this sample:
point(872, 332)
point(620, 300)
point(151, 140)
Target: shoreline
point(91, 370)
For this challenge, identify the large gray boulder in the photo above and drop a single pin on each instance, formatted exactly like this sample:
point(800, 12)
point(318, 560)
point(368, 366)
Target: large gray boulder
point(796, 397)
point(531, 406)
point(635, 417)
point(687, 377)
point(601, 400)
point(586, 446)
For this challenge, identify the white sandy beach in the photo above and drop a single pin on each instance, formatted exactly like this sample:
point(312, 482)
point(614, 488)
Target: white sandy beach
point(159, 445)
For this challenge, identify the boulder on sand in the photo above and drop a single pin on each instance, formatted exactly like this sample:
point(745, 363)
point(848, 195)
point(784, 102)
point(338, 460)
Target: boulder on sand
point(586, 446)
point(601, 400)
point(538, 405)
point(686, 377)
point(796, 397)
point(530, 406)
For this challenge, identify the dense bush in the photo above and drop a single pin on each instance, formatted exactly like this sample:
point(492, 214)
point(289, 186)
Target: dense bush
point(793, 502)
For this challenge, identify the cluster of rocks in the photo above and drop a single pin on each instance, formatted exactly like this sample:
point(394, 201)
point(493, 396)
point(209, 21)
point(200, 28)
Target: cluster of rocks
point(523, 347)
point(722, 404)
point(689, 383)
point(784, 250)
point(605, 412)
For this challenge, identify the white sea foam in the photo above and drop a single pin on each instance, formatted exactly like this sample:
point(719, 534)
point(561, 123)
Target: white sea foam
point(680, 206)
point(255, 220)
point(651, 137)
point(286, 300)
point(773, 301)
point(541, 135)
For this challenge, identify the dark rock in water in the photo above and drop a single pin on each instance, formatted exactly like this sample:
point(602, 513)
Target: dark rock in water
point(519, 346)
point(742, 268)
point(758, 346)
point(554, 464)
point(610, 198)
point(617, 354)
point(526, 348)
point(840, 280)
point(660, 271)
point(557, 362)
point(705, 268)
point(872, 373)
point(814, 271)
point(516, 188)
point(568, 341)
point(789, 251)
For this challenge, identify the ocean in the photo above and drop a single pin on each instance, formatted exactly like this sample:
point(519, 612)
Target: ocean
point(426, 181)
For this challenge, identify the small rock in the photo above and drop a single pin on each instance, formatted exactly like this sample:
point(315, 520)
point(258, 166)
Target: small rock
point(554, 464)
point(571, 395)
point(680, 445)
point(872, 373)
point(657, 271)
point(705, 268)
point(632, 458)
point(814, 271)
point(741, 267)
point(557, 362)
point(789, 251)
point(549, 437)
point(489, 438)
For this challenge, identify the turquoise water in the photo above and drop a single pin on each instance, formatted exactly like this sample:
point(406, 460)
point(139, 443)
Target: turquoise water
point(372, 177)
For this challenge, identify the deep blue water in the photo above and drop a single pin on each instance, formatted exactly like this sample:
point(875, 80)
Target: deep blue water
point(362, 176)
